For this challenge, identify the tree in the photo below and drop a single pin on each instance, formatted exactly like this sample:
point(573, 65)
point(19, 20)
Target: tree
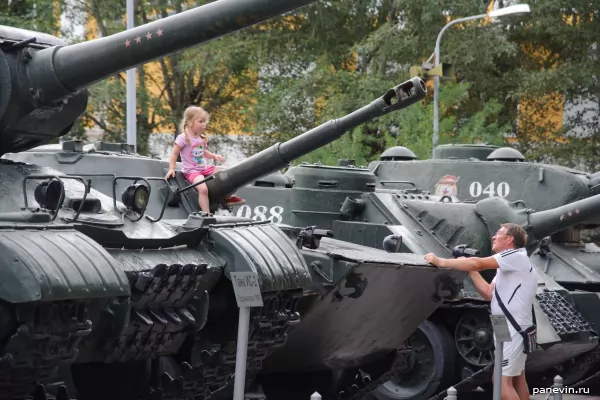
point(219, 76)
point(356, 59)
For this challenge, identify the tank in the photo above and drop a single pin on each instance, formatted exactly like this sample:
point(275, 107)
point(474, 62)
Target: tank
point(91, 290)
point(112, 304)
point(338, 271)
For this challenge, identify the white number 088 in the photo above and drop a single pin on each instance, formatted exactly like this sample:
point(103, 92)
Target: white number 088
point(260, 213)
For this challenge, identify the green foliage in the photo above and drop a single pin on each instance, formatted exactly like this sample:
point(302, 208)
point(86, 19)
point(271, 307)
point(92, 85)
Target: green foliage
point(331, 89)
point(37, 15)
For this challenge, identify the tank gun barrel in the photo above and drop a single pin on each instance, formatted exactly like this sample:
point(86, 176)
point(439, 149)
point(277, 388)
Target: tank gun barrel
point(44, 81)
point(594, 183)
point(545, 223)
point(280, 154)
point(495, 211)
point(57, 72)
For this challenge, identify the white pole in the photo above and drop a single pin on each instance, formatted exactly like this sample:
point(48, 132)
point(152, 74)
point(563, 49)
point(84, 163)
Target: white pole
point(131, 99)
point(498, 369)
point(242, 352)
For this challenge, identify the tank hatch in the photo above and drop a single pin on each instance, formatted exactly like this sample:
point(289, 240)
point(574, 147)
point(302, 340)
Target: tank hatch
point(397, 153)
point(463, 151)
point(113, 147)
point(276, 179)
point(506, 154)
point(16, 35)
point(325, 177)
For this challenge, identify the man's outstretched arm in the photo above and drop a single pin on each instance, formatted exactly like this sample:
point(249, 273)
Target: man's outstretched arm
point(463, 264)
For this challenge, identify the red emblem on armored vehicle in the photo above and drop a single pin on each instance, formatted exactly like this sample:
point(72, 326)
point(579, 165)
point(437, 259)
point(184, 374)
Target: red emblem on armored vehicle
point(446, 186)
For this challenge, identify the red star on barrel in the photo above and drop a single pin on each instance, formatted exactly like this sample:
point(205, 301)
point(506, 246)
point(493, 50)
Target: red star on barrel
point(562, 217)
point(159, 32)
point(127, 43)
point(138, 39)
point(577, 211)
point(148, 36)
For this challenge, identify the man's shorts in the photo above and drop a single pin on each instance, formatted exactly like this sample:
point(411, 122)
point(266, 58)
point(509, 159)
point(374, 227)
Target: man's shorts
point(513, 360)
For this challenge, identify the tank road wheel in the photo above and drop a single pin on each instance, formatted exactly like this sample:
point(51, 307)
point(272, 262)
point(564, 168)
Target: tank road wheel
point(431, 366)
point(474, 338)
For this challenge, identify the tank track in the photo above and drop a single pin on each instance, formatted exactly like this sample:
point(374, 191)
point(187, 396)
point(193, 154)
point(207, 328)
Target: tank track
point(47, 335)
point(563, 316)
point(268, 330)
point(161, 311)
point(362, 384)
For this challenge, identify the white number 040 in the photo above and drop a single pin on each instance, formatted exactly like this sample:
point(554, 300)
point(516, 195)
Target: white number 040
point(502, 189)
point(260, 213)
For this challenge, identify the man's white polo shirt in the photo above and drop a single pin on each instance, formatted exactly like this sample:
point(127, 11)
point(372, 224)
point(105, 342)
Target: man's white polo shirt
point(516, 282)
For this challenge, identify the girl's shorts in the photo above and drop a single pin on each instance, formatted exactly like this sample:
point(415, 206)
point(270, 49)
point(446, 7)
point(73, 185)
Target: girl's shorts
point(190, 176)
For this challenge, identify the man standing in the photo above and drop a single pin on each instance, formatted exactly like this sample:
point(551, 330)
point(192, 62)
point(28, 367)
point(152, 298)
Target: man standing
point(516, 283)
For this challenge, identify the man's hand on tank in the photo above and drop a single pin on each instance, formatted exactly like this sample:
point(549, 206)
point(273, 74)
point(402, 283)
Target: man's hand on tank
point(432, 259)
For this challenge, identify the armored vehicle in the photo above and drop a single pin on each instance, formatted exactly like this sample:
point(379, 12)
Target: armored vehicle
point(169, 329)
point(90, 283)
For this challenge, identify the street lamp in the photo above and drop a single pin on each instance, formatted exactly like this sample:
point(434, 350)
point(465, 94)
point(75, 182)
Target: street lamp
point(514, 9)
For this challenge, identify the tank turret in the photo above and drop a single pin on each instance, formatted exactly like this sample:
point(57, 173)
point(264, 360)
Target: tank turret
point(397, 153)
point(44, 81)
point(506, 154)
point(280, 154)
point(463, 151)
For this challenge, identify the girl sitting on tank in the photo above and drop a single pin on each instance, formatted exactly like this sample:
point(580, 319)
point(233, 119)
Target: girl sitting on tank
point(191, 143)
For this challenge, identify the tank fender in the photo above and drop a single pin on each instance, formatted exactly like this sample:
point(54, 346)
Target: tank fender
point(56, 264)
point(262, 248)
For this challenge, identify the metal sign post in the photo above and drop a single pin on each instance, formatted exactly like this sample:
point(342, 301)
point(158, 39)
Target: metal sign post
point(247, 294)
point(502, 334)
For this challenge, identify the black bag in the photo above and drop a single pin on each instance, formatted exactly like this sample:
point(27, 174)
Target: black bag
point(529, 335)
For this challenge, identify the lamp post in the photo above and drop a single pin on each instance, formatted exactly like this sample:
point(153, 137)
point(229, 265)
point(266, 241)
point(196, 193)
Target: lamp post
point(515, 9)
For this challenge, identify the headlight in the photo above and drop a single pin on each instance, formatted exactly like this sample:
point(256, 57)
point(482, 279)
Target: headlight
point(47, 194)
point(135, 197)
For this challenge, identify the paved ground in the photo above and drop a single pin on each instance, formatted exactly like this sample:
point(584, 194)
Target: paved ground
point(566, 397)
point(485, 396)
point(480, 395)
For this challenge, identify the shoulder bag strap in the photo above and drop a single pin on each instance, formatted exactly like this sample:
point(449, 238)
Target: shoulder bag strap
point(506, 313)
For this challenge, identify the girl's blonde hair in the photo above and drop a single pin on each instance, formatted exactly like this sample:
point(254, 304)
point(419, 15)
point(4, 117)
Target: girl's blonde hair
point(190, 115)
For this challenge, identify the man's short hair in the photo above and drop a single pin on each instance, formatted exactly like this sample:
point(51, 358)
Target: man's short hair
point(517, 233)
